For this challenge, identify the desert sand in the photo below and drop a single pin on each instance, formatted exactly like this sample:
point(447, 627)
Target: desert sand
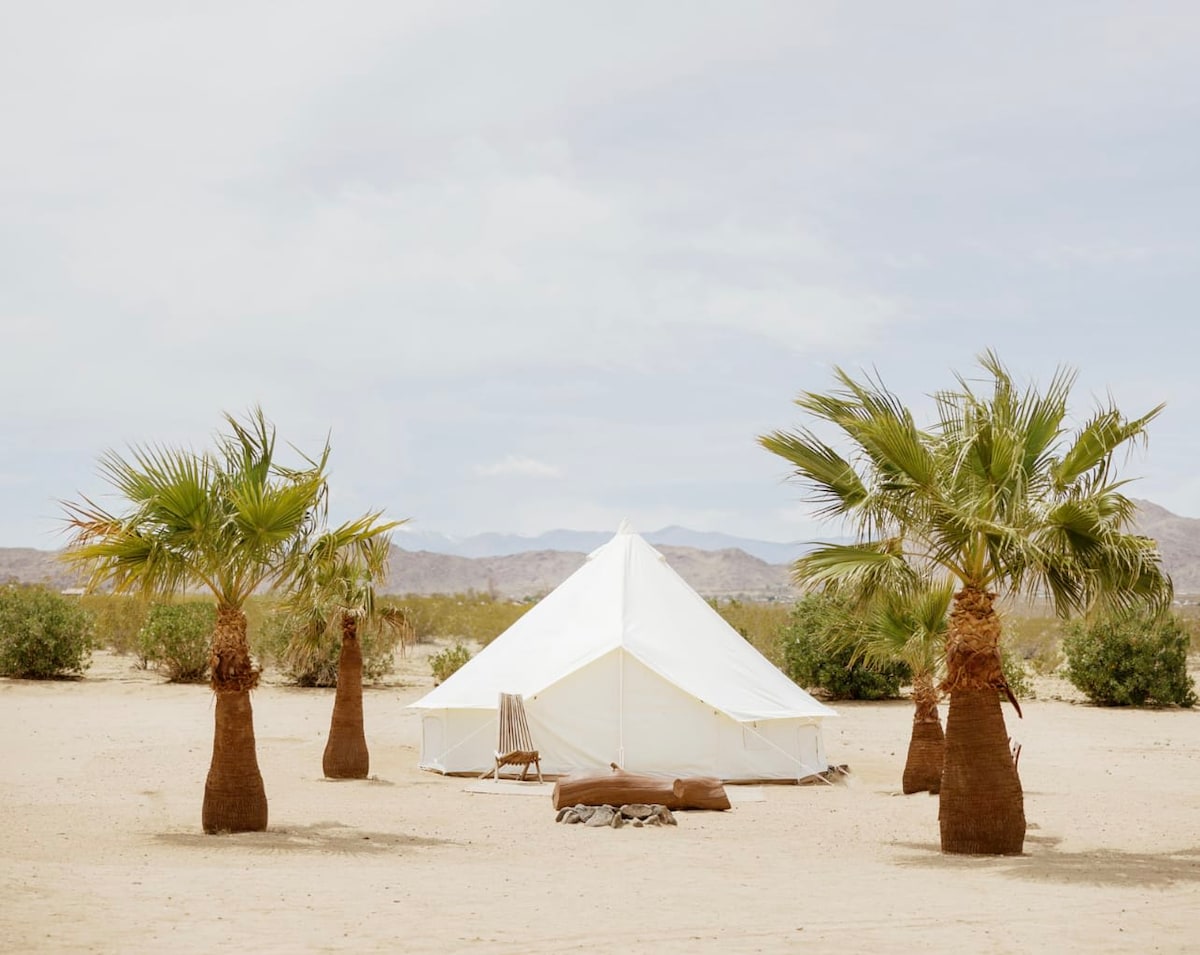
point(101, 781)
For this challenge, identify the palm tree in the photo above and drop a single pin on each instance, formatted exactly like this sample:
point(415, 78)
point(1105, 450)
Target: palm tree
point(335, 591)
point(910, 626)
point(996, 496)
point(230, 521)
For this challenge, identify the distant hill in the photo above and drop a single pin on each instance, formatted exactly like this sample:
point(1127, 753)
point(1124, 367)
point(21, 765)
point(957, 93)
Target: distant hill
point(1178, 541)
point(28, 566)
point(584, 542)
point(729, 572)
point(713, 564)
point(724, 573)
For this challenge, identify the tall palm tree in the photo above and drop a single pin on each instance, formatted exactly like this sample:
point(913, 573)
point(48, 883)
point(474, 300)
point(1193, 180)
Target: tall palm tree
point(230, 521)
point(998, 496)
point(334, 591)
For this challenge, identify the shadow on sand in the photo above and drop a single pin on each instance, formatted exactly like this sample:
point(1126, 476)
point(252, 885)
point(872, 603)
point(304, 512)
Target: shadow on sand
point(1042, 862)
point(323, 837)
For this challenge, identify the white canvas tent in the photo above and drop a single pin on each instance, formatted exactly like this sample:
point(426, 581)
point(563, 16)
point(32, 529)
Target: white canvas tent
point(624, 663)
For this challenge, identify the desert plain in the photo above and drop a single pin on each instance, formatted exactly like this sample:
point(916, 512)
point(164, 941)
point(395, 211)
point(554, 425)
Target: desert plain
point(101, 781)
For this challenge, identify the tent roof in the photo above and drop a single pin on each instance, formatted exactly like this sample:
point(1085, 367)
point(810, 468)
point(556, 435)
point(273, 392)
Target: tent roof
point(627, 597)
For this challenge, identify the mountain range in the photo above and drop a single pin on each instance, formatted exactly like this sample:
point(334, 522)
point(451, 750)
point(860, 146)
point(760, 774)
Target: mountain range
point(502, 545)
point(714, 564)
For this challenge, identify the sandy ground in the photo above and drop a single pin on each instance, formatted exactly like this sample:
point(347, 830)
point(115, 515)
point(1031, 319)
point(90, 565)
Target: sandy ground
point(101, 782)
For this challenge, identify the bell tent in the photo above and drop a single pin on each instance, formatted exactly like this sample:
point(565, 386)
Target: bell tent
point(624, 663)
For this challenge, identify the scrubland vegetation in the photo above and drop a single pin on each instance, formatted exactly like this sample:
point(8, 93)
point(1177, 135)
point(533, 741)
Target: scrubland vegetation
point(472, 617)
point(44, 634)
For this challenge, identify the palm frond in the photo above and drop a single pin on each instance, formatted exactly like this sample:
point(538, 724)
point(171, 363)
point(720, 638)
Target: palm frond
point(229, 521)
point(834, 485)
point(1096, 442)
point(857, 570)
point(995, 492)
point(909, 627)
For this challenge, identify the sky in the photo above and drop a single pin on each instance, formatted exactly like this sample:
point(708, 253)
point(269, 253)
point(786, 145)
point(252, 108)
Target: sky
point(537, 265)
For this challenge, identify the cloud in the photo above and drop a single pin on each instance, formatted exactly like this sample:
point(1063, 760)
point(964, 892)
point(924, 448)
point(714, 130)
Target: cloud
point(516, 466)
point(530, 224)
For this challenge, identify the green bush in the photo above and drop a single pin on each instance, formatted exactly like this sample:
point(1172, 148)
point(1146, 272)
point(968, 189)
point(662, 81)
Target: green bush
point(43, 635)
point(1016, 674)
point(819, 653)
point(446, 662)
point(177, 639)
point(1131, 659)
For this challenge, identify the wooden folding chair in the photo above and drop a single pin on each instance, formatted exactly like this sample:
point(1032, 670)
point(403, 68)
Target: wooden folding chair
point(516, 745)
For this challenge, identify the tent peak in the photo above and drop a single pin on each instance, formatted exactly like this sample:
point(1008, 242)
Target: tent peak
point(625, 527)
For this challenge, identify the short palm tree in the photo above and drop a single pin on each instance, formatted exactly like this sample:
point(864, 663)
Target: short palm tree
point(999, 496)
point(230, 521)
point(334, 593)
point(910, 626)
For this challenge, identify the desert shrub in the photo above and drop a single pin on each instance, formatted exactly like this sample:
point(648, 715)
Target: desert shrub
point(1189, 618)
point(819, 653)
point(310, 658)
point(1130, 659)
point(1016, 674)
point(448, 661)
point(1036, 640)
point(475, 617)
point(259, 609)
point(116, 620)
point(177, 639)
point(43, 635)
point(762, 623)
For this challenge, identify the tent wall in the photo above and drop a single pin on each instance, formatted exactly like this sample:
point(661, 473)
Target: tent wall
point(771, 749)
point(617, 710)
point(460, 740)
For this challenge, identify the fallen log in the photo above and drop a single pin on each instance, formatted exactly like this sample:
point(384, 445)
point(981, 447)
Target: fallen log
point(619, 788)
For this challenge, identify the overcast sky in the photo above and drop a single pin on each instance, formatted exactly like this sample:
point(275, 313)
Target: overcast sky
point(542, 264)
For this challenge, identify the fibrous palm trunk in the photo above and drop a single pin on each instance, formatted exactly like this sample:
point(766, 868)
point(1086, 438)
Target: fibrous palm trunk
point(346, 755)
point(982, 809)
point(926, 747)
point(234, 797)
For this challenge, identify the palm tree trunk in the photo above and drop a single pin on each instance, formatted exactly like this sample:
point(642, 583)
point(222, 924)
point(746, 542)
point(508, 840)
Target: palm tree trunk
point(926, 747)
point(346, 755)
point(982, 808)
point(234, 797)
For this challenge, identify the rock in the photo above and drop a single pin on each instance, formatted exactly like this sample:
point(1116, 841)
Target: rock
point(602, 816)
point(638, 815)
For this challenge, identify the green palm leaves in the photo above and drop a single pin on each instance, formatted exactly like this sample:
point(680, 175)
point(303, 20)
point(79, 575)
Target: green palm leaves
point(909, 626)
point(335, 578)
point(230, 520)
point(997, 493)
